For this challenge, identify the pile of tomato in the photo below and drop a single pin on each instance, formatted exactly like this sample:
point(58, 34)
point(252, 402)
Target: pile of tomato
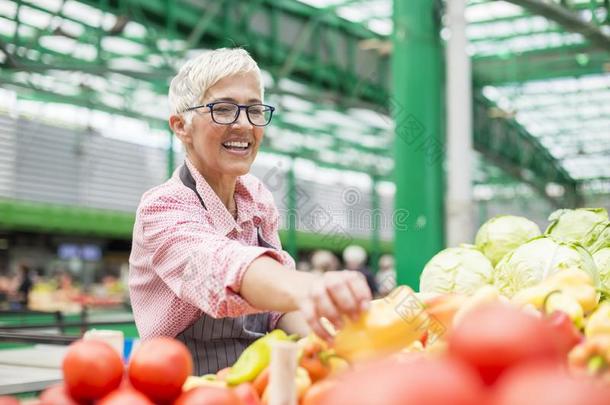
point(495, 355)
point(94, 373)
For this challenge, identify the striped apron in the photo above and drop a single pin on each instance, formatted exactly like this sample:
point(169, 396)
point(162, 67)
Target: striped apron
point(217, 343)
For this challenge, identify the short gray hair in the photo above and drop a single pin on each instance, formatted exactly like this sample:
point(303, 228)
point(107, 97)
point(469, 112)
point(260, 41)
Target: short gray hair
point(197, 75)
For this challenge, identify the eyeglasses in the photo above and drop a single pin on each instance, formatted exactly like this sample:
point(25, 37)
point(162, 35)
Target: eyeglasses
point(225, 113)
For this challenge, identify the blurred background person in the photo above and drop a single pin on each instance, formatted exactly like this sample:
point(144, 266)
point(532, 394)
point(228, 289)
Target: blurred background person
point(5, 288)
point(303, 265)
point(323, 261)
point(386, 275)
point(354, 258)
point(24, 282)
point(66, 290)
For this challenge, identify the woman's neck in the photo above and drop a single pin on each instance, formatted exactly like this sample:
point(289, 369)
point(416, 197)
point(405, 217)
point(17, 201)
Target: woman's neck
point(223, 185)
point(225, 190)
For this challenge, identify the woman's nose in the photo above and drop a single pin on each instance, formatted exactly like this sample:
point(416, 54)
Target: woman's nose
point(242, 120)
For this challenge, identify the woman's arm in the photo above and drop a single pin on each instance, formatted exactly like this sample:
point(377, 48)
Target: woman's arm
point(294, 323)
point(268, 286)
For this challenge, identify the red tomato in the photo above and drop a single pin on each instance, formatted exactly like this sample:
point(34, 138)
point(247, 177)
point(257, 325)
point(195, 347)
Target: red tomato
point(125, 396)
point(159, 368)
point(417, 381)
point(247, 394)
point(316, 393)
point(208, 396)
point(496, 337)
point(56, 395)
point(5, 400)
point(125, 383)
point(91, 369)
point(566, 334)
point(546, 384)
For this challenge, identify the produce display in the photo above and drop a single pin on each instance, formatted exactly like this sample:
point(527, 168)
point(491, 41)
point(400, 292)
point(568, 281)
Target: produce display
point(50, 295)
point(518, 318)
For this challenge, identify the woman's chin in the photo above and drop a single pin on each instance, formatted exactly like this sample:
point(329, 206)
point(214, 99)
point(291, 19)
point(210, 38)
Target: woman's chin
point(236, 169)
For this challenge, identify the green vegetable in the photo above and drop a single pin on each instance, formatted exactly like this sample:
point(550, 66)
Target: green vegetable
point(461, 270)
point(538, 259)
point(582, 225)
point(502, 234)
point(602, 261)
point(255, 358)
point(603, 239)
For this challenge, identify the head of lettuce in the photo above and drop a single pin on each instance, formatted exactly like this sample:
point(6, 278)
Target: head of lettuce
point(581, 225)
point(460, 270)
point(501, 234)
point(539, 258)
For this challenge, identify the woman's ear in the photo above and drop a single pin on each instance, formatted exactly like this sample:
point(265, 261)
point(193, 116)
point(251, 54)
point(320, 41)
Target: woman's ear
point(178, 124)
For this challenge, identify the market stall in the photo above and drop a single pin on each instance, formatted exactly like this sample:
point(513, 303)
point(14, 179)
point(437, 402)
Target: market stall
point(519, 317)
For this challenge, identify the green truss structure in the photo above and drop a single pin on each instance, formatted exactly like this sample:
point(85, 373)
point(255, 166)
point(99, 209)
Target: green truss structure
point(118, 55)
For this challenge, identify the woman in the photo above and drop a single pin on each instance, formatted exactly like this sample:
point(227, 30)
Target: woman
point(206, 265)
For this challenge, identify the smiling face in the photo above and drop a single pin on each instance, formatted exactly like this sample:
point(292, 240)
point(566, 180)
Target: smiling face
point(215, 149)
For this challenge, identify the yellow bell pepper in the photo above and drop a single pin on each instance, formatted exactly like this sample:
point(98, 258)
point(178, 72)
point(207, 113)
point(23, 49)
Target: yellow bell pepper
point(389, 325)
point(579, 285)
point(303, 382)
point(573, 282)
point(599, 322)
point(203, 381)
point(254, 358)
point(592, 357)
point(337, 365)
point(560, 301)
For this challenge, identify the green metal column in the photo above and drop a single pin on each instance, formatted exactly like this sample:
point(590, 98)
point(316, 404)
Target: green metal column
point(170, 155)
point(291, 245)
point(417, 110)
point(375, 225)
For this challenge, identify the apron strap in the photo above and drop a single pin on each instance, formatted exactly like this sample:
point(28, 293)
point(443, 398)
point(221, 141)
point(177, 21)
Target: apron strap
point(187, 179)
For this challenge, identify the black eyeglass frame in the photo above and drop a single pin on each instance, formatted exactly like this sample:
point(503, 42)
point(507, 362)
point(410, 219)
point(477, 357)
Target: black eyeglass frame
point(239, 108)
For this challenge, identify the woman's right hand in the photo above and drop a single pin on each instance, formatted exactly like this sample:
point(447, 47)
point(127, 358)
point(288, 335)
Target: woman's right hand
point(333, 295)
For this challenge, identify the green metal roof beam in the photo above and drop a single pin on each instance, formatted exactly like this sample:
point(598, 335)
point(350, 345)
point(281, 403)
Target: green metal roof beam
point(23, 215)
point(504, 56)
point(84, 101)
point(529, 14)
point(263, 47)
point(74, 220)
point(506, 37)
point(90, 30)
point(568, 19)
point(528, 66)
point(312, 65)
point(508, 145)
point(341, 4)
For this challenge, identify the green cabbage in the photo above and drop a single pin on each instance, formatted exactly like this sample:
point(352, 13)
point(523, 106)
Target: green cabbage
point(500, 235)
point(460, 270)
point(603, 239)
point(582, 225)
point(537, 259)
point(602, 261)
